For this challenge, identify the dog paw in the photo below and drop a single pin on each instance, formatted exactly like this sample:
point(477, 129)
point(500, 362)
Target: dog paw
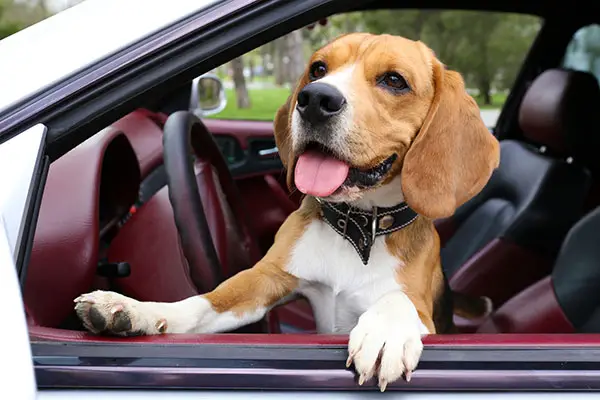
point(386, 347)
point(114, 314)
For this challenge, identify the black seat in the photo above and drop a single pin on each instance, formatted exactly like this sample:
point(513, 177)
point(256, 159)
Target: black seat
point(507, 237)
point(565, 302)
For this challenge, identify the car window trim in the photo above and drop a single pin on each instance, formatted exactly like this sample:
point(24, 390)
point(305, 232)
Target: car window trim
point(318, 367)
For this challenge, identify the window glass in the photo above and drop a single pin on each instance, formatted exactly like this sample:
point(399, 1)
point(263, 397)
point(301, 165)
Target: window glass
point(583, 52)
point(488, 48)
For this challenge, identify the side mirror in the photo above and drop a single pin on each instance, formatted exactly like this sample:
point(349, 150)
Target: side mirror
point(207, 96)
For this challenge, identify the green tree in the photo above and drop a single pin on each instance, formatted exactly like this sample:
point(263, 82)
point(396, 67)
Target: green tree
point(7, 28)
point(487, 48)
point(16, 15)
point(472, 54)
point(407, 23)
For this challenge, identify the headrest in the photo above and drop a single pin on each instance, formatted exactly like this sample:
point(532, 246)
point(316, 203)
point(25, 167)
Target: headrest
point(560, 111)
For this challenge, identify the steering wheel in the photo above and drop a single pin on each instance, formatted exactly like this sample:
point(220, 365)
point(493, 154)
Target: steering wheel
point(213, 243)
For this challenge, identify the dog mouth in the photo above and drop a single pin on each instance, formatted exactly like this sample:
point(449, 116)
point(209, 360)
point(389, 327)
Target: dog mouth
point(318, 172)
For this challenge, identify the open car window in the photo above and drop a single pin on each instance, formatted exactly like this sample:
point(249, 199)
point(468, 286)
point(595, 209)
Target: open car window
point(488, 48)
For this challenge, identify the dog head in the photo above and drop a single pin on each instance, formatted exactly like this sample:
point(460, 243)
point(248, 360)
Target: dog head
point(377, 113)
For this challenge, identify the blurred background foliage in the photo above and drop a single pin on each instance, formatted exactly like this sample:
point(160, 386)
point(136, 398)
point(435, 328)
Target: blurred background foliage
point(488, 48)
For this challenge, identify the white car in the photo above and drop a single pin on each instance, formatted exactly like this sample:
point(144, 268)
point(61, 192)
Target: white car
point(87, 202)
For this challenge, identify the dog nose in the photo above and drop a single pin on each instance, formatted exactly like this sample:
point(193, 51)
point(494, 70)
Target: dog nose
point(317, 102)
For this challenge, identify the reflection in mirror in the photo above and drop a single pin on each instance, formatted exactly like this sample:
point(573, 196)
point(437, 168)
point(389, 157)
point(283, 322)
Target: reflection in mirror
point(208, 95)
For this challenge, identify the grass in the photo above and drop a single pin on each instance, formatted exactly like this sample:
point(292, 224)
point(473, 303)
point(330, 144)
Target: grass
point(265, 102)
point(498, 100)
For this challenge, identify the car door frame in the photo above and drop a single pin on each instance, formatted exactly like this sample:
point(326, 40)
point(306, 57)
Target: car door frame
point(317, 362)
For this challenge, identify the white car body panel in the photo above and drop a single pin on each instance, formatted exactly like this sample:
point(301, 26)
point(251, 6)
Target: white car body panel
point(54, 48)
point(18, 157)
point(17, 377)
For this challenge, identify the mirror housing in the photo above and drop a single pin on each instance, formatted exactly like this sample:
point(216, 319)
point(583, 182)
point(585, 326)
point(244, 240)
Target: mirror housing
point(207, 95)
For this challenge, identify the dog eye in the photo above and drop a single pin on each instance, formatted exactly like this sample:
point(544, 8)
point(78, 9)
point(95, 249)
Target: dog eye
point(393, 81)
point(317, 70)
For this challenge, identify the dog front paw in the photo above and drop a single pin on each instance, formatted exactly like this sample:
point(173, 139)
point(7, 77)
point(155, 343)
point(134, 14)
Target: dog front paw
point(386, 347)
point(114, 314)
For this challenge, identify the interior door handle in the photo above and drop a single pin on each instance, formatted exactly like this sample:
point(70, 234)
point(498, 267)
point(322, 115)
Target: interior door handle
point(268, 152)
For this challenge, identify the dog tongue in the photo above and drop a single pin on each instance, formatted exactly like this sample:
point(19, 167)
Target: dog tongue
point(318, 174)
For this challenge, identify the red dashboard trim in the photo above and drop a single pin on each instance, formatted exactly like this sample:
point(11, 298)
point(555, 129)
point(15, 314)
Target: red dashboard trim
point(475, 340)
point(241, 130)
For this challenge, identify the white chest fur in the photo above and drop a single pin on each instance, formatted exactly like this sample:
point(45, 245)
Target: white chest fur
point(334, 279)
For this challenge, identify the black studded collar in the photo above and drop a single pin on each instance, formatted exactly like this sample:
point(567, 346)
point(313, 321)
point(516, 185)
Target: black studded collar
point(361, 227)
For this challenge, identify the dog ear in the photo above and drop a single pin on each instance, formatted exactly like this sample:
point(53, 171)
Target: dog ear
point(453, 155)
point(283, 139)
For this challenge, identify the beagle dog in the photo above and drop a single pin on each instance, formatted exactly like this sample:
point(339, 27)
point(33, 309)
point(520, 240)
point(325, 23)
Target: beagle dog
point(382, 139)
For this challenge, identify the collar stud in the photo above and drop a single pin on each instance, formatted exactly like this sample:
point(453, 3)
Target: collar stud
point(385, 222)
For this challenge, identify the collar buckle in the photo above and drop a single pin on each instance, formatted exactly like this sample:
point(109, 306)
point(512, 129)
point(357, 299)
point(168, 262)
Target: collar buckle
point(346, 222)
point(374, 224)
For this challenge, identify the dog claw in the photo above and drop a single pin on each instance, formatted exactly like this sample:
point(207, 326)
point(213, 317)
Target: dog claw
point(161, 325)
point(361, 380)
point(349, 361)
point(117, 308)
point(382, 385)
point(408, 376)
point(84, 299)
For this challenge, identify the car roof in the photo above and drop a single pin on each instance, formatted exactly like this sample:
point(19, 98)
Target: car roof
point(57, 47)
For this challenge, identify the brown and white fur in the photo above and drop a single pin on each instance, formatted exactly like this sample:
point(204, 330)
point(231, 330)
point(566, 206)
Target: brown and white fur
point(445, 156)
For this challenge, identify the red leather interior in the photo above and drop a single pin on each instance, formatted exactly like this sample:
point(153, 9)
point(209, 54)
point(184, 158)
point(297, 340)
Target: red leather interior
point(149, 242)
point(534, 310)
point(145, 134)
point(97, 180)
point(535, 196)
point(283, 198)
point(225, 231)
point(66, 244)
point(298, 314)
point(241, 130)
point(498, 270)
point(265, 212)
point(468, 326)
point(265, 196)
point(559, 111)
point(445, 228)
point(475, 340)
